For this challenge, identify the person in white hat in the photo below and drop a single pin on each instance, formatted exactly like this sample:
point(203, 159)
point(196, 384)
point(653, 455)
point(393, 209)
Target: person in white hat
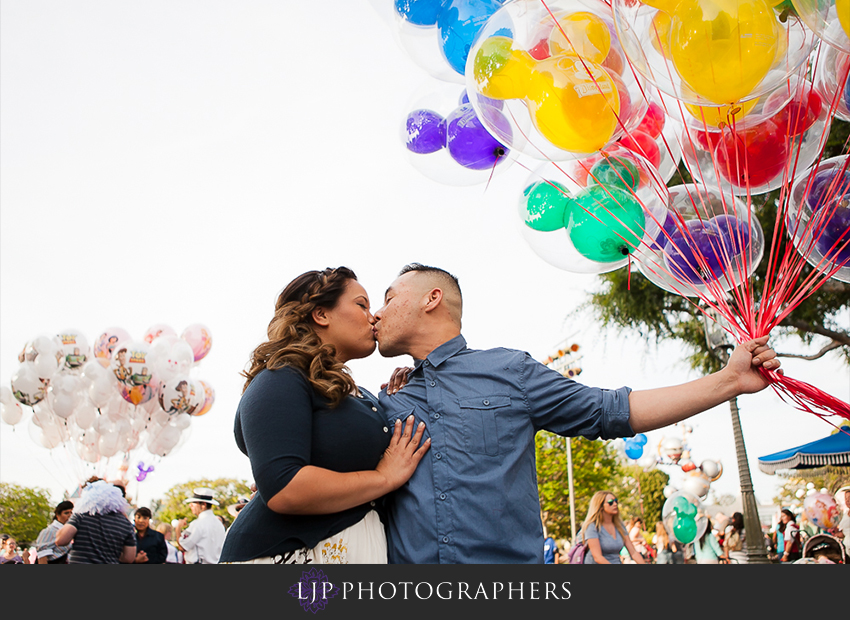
point(201, 542)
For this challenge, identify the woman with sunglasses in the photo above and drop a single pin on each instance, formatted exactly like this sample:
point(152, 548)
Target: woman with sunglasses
point(604, 533)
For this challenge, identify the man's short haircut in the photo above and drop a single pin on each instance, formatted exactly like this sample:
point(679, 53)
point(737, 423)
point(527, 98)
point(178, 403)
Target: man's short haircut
point(144, 512)
point(441, 274)
point(63, 506)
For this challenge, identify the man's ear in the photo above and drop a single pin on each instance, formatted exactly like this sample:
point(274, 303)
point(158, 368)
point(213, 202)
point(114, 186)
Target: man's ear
point(320, 317)
point(433, 299)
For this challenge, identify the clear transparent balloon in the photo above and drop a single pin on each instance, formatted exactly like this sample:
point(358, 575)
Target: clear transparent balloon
point(445, 139)
point(683, 48)
point(829, 19)
point(772, 144)
point(557, 194)
point(831, 80)
point(561, 78)
point(708, 243)
point(818, 217)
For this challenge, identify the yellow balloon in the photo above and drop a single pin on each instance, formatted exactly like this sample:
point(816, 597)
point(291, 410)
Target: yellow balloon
point(574, 104)
point(723, 48)
point(659, 33)
point(717, 116)
point(502, 72)
point(668, 6)
point(581, 34)
point(842, 8)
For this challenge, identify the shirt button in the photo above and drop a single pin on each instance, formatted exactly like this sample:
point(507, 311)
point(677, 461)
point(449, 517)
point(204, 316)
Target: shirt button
point(486, 402)
point(436, 416)
point(442, 496)
point(426, 363)
point(433, 383)
point(445, 539)
point(371, 503)
point(386, 430)
point(374, 408)
point(439, 456)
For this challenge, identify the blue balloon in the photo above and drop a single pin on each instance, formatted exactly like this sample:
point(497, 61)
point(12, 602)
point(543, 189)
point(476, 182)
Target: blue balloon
point(459, 23)
point(640, 439)
point(419, 12)
point(847, 94)
point(634, 452)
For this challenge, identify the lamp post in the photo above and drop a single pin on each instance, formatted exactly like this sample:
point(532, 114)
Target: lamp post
point(720, 345)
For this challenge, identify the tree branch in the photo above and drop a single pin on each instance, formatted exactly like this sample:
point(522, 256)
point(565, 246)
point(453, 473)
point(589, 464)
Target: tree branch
point(841, 337)
point(832, 345)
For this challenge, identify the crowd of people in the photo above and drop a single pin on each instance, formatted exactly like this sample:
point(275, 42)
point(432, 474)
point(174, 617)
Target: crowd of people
point(440, 467)
point(605, 539)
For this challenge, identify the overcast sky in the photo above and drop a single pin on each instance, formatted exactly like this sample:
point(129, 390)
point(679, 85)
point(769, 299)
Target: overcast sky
point(180, 162)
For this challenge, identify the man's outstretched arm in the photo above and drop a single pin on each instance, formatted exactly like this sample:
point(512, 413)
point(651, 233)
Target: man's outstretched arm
point(659, 407)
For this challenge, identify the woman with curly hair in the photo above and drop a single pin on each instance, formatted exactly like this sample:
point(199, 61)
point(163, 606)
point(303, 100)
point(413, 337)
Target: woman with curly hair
point(321, 453)
point(604, 533)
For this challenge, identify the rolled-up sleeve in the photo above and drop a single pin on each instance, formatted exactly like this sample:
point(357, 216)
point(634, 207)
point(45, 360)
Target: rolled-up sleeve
point(569, 408)
point(274, 424)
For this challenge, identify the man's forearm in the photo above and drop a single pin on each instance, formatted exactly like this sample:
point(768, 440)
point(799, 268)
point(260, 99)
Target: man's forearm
point(660, 407)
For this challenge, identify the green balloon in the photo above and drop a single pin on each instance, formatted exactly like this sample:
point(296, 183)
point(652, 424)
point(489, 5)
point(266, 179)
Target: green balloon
point(605, 224)
point(679, 504)
point(619, 172)
point(544, 205)
point(685, 529)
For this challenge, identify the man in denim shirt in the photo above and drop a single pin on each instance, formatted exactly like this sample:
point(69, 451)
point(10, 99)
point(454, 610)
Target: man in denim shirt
point(473, 498)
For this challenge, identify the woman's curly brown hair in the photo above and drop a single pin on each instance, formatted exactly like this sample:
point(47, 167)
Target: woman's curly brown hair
point(293, 340)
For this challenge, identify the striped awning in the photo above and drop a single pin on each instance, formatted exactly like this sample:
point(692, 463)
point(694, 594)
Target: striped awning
point(831, 450)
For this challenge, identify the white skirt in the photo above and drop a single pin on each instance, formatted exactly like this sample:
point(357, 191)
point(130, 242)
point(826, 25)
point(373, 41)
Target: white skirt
point(365, 542)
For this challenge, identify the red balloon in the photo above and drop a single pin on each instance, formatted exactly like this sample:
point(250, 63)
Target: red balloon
point(799, 114)
point(752, 157)
point(653, 122)
point(707, 140)
point(541, 51)
point(642, 143)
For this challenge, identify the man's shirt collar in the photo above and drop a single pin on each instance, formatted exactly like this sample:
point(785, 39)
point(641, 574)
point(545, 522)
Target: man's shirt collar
point(443, 352)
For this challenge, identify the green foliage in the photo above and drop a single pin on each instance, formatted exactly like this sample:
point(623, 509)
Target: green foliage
point(595, 465)
point(24, 512)
point(226, 491)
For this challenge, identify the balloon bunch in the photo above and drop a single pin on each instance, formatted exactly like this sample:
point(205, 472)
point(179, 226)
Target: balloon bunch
point(566, 361)
point(444, 136)
point(116, 396)
point(657, 123)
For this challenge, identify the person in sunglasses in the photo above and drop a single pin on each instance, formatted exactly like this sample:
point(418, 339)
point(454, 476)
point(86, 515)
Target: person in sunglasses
point(604, 533)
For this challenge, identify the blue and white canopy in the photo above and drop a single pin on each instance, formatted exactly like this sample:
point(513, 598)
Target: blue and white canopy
point(831, 450)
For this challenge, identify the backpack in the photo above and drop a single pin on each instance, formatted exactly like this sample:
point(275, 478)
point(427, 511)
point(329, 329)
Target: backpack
point(577, 552)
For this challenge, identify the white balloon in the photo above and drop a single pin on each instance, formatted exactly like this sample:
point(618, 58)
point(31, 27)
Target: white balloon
point(11, 413)
point(669, 490)
point(710, 468)
point(64, 405)
point(169, 437)
point(5, 395)
point(108, 444)
point(647, 462)
point(85, 414)
point(182, 421)
point(697, 486)
point(27, 386)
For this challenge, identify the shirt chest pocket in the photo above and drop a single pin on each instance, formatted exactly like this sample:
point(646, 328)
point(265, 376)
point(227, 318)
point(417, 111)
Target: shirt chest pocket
point(480, 416)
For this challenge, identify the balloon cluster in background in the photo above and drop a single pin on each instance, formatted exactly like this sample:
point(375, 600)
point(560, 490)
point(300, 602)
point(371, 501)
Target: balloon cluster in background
point(112, 396)
point(822, 510)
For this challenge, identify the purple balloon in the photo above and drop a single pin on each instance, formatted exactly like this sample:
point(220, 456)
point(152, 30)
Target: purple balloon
point(426, 132)
point(827, 185)
point(738, 231)
point(833, 236)
point(670, 227)
point(696, 255)
point(469, 143)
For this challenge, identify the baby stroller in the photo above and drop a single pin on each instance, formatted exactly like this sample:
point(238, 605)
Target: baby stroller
point(823, 549)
